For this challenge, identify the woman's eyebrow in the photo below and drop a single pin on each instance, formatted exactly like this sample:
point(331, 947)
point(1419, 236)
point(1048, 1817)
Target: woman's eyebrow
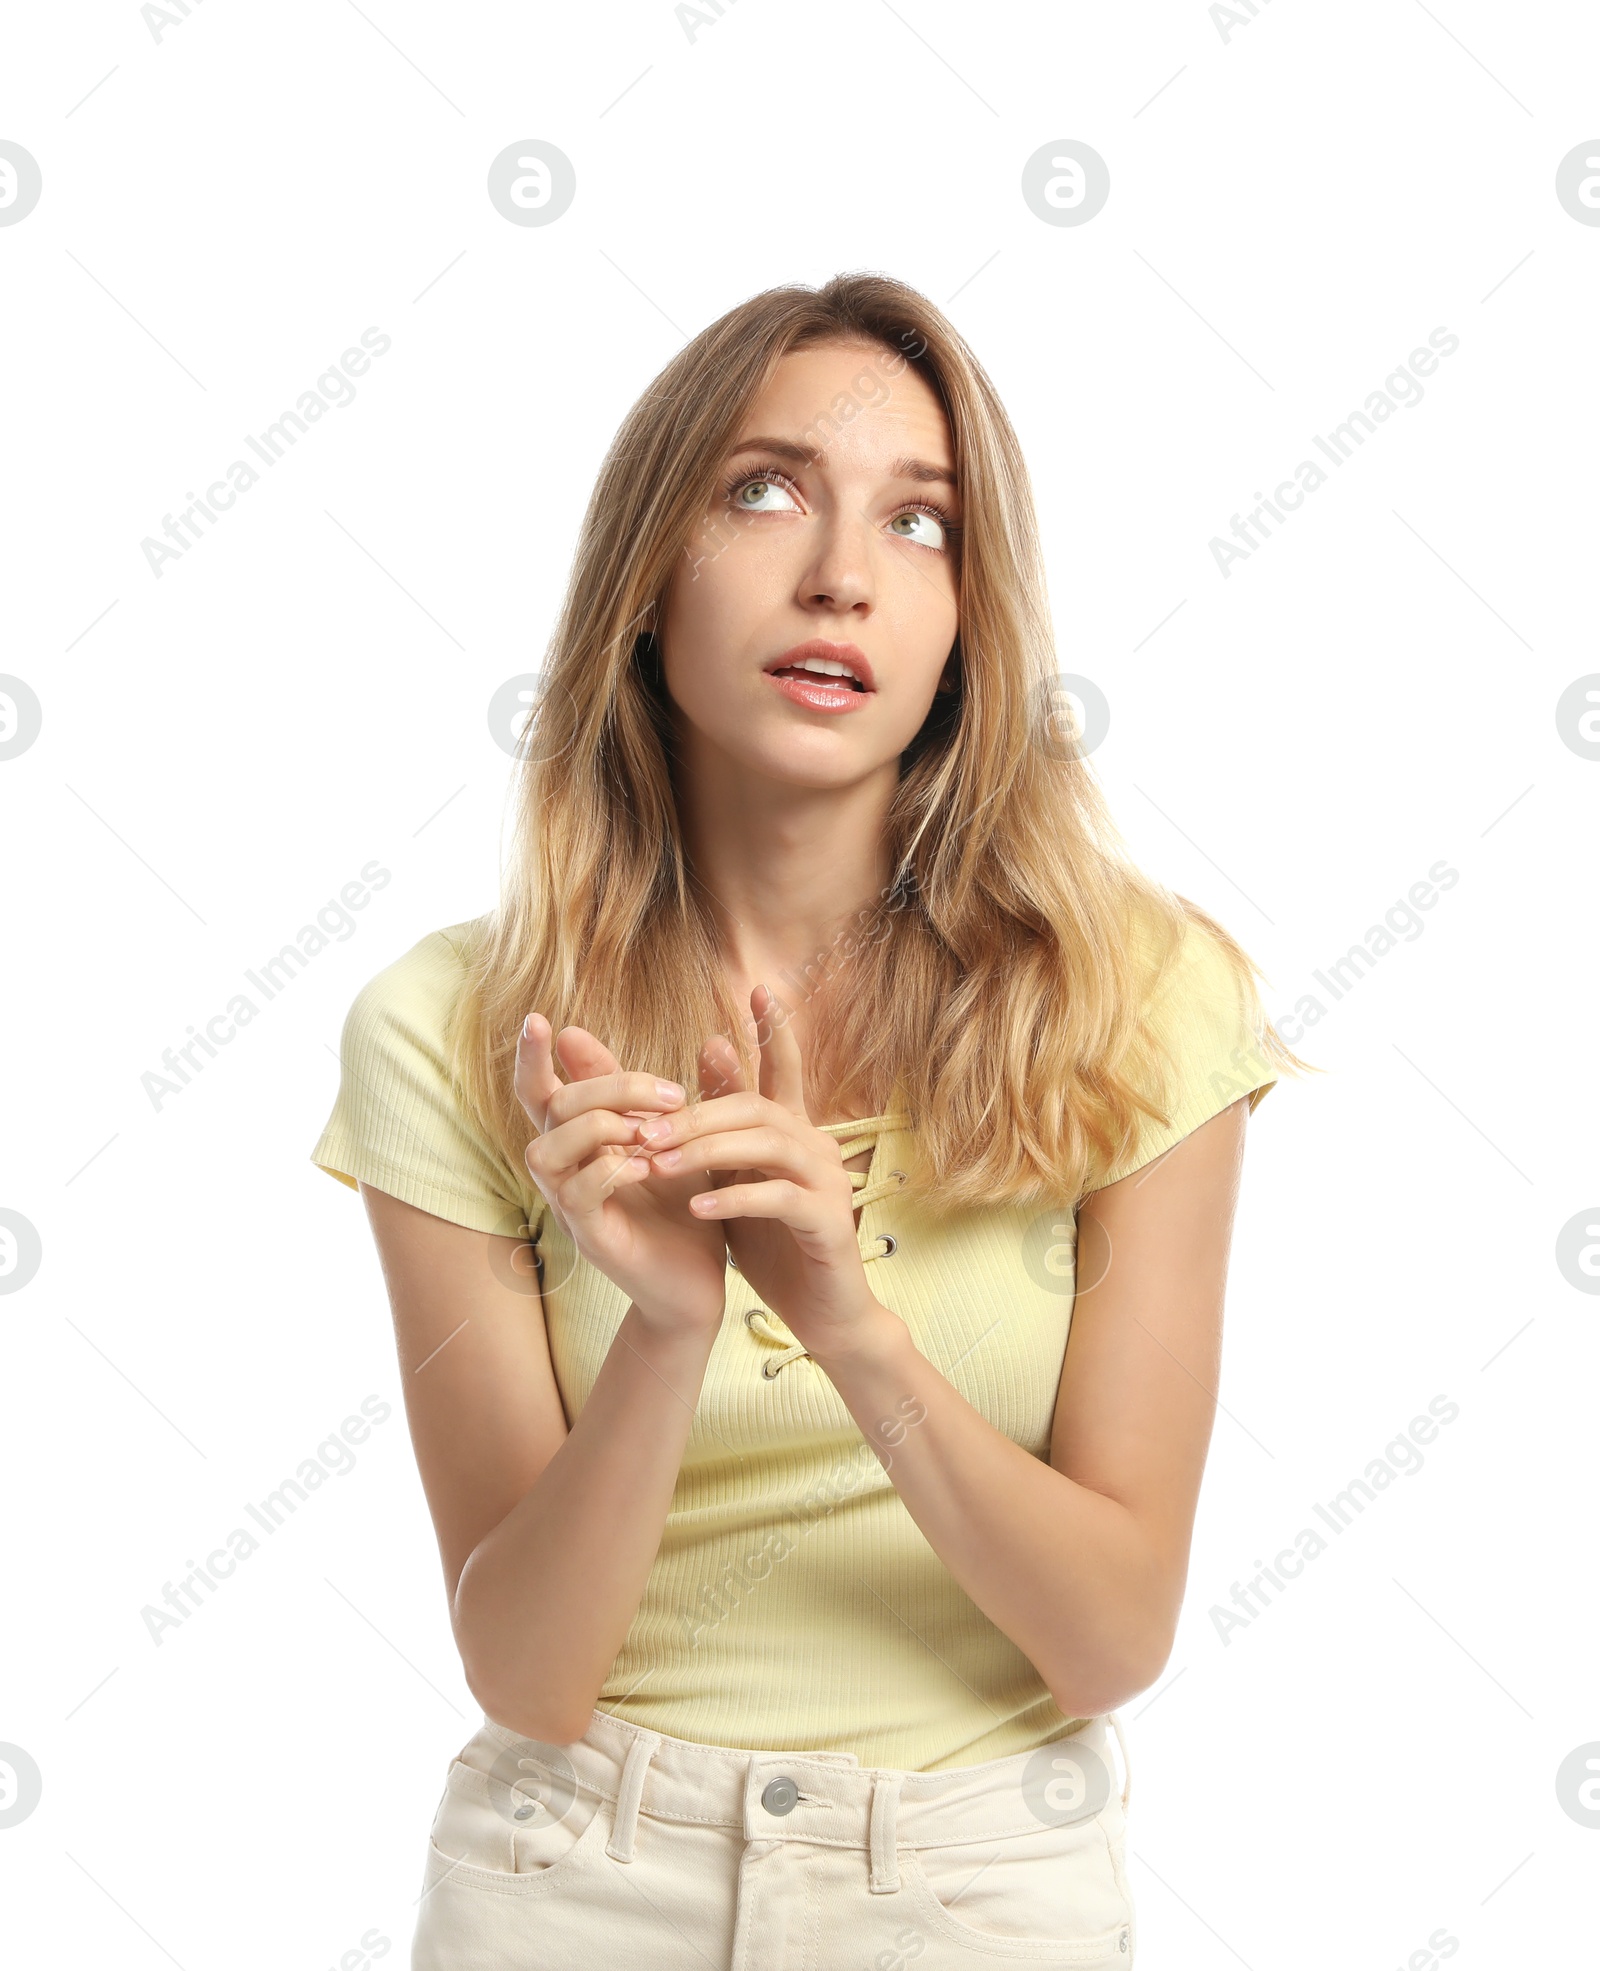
point(922, 469)
point(786, 448)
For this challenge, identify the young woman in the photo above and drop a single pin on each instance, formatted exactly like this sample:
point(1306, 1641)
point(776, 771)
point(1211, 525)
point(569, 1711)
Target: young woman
point(797, 1563)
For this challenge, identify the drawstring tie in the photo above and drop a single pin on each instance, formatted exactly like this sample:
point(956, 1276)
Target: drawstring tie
point(852, 1137)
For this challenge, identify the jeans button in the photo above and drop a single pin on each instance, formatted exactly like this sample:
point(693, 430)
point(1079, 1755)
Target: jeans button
point(779, 1795)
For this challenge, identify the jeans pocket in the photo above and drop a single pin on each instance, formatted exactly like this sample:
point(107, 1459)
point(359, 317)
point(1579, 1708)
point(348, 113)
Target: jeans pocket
point(511, 1829)
point(1049, 1895)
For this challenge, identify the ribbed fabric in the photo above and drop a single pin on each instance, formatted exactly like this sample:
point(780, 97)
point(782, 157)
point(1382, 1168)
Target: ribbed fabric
point(794, 1603)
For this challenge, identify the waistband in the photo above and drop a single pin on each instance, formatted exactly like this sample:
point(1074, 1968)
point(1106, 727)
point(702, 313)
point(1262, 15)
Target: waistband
point(828, 1798)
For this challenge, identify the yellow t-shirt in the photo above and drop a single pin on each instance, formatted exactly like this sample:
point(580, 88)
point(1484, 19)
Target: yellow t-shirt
point(794, 1603)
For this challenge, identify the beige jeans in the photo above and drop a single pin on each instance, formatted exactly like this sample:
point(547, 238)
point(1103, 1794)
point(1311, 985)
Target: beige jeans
point(632, 1848)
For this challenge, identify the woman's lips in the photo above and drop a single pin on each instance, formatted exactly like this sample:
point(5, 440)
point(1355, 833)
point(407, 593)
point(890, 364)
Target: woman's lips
point(818, 694)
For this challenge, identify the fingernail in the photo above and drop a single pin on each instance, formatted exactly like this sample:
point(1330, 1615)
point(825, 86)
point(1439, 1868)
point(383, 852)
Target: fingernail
point(669, 1091)
point(527, 1028)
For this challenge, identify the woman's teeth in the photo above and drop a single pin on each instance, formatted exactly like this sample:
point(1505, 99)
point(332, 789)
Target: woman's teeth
point(836, 674)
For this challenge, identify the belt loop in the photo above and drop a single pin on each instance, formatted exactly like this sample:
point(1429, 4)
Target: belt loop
point(885, 1873)
point(1127, 1763)
point(640, 1753)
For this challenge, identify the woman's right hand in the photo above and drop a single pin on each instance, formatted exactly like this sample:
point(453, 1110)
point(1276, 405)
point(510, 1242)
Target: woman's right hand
point(626, 1218)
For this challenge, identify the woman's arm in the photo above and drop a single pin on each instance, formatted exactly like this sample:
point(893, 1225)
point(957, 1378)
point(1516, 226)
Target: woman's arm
point(547, 1535)
point(1081, 1561)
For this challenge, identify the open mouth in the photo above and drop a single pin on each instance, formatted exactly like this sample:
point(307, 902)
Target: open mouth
point(799, 672)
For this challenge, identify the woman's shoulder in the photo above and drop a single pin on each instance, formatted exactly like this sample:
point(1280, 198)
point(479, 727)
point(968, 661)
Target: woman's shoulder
point(399, 1121)
point(421, 987)
point(1185, 964)
point(1199, 1043)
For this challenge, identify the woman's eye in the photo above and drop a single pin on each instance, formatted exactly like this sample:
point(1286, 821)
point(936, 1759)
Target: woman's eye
point(924, 528)
point(750, 496)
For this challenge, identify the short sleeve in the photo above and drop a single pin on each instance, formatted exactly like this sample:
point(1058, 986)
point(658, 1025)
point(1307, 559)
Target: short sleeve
point(399, 1123)
point(1209, 1025)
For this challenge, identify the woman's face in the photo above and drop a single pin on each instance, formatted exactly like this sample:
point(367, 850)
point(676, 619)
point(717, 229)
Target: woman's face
point(838, 534)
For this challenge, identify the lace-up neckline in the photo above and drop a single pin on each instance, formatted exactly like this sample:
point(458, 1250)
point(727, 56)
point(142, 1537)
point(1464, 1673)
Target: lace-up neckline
point(860, 1133)
point(864, 1132)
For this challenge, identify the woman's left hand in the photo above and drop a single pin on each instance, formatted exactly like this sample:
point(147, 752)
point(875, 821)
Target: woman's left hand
point(787, 1199)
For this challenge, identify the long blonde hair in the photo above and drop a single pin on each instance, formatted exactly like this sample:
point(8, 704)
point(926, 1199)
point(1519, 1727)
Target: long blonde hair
point(997, 990)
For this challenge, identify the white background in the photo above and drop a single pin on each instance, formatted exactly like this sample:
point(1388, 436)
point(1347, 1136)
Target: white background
point(1295, 204)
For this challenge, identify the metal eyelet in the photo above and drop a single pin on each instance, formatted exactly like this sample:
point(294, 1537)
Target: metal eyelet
point(898, 1173)
point(750, 1314)
point(770, 1369)
point(890, 1244)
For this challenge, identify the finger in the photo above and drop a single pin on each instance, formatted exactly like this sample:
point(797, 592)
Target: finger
point(600, 1083)
point(581, 1056)
point(800, 1209)
point(766, 1148)
point(559, 1153)
point(623, 1093)
point(720, 1072)
point(542, 1057)
point(611, 1169)
point(782, 1065)
point(579, 1160)
point(584, 1058)
point(534, 1077)
point(742, 1110)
